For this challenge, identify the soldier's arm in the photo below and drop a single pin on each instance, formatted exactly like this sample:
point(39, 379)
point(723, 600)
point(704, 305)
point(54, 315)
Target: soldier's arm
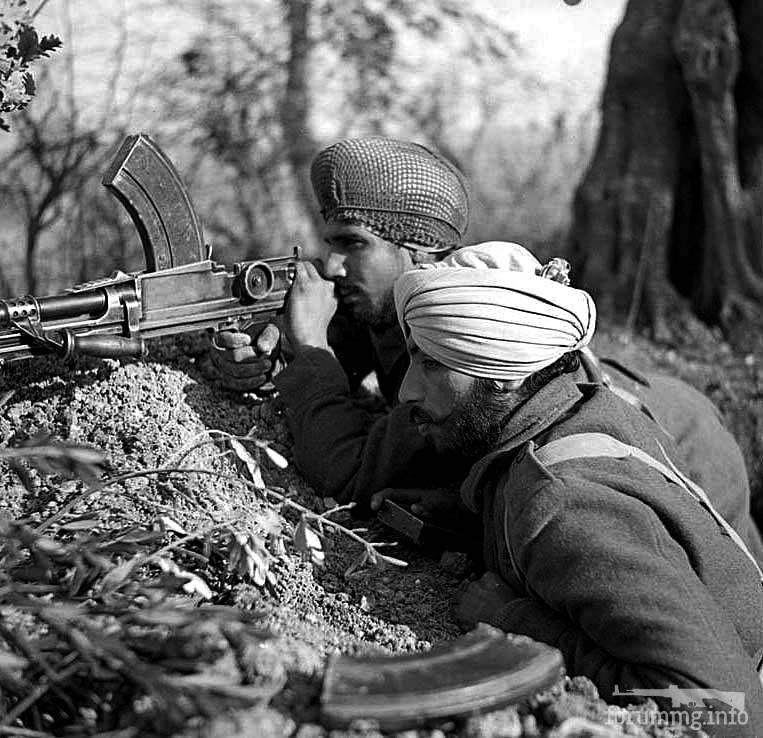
point(342, 450)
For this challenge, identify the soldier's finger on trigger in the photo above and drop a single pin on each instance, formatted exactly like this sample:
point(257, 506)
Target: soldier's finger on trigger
point(406, 496)
point(300, 274)
point(400, 496)
point(268, 339)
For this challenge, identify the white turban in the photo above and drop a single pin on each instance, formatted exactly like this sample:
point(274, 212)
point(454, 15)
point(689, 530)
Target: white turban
point(485, 311)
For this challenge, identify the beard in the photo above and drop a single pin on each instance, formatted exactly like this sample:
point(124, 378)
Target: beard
point(380, 314)
point(474, 427)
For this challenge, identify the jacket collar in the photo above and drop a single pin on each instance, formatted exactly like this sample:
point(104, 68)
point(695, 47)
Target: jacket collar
point(544, 409)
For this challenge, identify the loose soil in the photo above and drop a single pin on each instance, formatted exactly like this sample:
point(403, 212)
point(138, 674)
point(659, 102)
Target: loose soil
point(144, 414)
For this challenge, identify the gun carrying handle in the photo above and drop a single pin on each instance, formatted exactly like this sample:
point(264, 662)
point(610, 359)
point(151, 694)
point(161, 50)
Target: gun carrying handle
point(104, 347)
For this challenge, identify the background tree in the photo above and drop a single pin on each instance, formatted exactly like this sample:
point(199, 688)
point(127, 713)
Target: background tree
point(673, 198)
point(50, 169)
point(45, 168)
point(261, 98)
point(241, 95)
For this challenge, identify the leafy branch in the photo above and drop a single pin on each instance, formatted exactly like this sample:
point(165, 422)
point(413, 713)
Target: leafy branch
point(305, 538)
point(107, 611)
point(248, 551)
point(20, 47)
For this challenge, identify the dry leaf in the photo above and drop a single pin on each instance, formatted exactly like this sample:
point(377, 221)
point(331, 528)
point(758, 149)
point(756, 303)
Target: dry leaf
point(257, 562)
point(249, 461)
point(308, 542)
point(80, 524)
point(168, 524)
point(275, 457)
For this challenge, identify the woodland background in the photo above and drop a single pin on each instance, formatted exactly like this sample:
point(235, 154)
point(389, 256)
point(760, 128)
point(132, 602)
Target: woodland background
point(241, 95)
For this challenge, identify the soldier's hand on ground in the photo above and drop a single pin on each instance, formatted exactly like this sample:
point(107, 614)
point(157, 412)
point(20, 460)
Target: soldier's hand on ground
point(244, 360)
point(441, 506)
point(311, 305)
point(480, 600)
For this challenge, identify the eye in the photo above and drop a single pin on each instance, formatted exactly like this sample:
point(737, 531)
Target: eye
point(430, 364)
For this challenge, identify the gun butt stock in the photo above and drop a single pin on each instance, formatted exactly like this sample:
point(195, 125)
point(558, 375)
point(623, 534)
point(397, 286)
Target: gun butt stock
point(146, 183)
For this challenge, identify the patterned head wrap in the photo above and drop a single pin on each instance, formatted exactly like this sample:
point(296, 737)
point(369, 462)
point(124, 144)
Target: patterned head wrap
point(492, 311)
point(400, 191)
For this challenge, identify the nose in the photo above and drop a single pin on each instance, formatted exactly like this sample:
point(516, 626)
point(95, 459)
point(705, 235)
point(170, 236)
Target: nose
point(334, 265)
point(411, 389)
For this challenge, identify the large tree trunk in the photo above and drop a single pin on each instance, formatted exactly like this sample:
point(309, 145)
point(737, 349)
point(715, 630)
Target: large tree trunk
point(673, 197)
point(630, 188)
point(749, 97)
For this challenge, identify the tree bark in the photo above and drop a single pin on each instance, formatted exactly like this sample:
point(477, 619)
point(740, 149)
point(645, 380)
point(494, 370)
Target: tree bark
point(295, 108)
point(749, 99)
point(636, 164)
point(30, 254)
point(708, 49)
point(682, 140)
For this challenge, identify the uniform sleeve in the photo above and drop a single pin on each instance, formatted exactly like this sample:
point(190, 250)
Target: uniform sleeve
point(352, 347)
point(343, 451)
point(617, 595)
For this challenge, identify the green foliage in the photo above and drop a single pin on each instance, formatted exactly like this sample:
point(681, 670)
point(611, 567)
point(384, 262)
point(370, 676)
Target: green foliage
point(20, 47)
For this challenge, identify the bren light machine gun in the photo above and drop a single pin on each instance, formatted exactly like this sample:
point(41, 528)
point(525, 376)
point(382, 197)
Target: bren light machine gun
point(180, 290)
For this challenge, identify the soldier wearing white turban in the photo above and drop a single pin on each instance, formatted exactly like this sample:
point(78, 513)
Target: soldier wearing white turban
point(593, 539)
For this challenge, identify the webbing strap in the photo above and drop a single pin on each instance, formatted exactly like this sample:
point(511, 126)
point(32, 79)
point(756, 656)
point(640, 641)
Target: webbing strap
point(590, 445)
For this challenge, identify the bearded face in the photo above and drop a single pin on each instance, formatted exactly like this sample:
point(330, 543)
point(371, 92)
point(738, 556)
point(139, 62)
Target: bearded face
point(456, 412)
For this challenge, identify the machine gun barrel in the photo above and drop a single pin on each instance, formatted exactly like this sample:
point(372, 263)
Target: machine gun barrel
point(52, 308)
point(111, 318)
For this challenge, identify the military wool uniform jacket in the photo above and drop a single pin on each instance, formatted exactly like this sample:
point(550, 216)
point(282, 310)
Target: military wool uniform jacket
point(622, 570)
point(347, 453)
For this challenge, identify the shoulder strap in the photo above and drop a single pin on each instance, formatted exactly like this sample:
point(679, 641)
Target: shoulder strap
point(589, 445)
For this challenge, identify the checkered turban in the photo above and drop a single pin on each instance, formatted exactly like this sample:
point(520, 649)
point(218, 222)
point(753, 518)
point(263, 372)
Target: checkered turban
point(492, 311)
point(400, 191)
